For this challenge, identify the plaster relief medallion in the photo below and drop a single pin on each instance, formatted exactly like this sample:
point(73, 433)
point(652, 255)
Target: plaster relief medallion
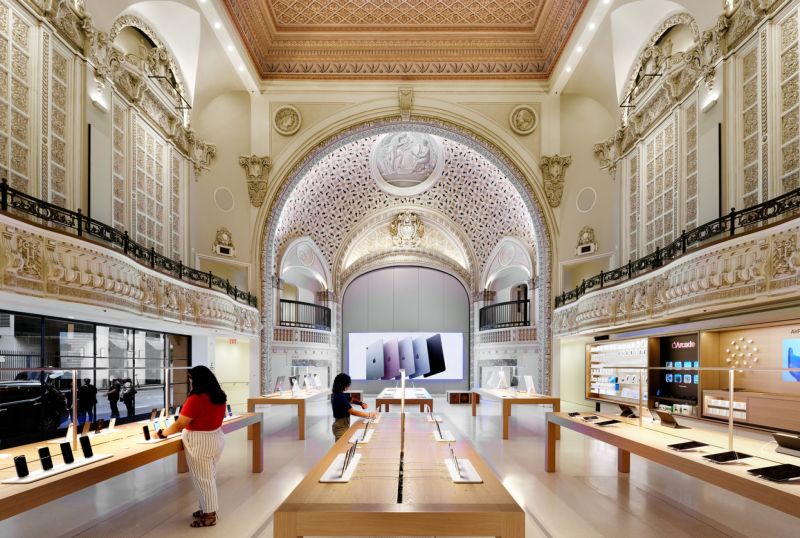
point(406, 163)
point(305, 255)
point(287, 120)
point(505, 255)
point(406, 230)
point(523, 119)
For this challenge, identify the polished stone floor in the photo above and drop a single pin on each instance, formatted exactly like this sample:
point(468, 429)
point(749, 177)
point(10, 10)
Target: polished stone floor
point(585, 498)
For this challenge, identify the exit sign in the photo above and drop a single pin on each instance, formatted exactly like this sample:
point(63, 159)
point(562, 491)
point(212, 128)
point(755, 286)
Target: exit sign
point(232, 341)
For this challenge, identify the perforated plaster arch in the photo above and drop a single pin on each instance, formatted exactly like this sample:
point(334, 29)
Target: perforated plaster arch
point(500, 194)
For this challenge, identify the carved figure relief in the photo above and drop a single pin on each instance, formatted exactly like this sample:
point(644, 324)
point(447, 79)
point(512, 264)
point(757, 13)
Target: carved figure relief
point(223, 238)
point(523, 119)
point(287, 120)
point(406, 163)
point(553, 170)
point(257, 168)
point(406, 230)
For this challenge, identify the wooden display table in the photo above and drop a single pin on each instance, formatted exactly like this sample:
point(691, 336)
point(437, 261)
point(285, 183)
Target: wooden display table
point(370, 504)
point(510, 397)
point(413, 397)
point(127, 455)
point(650, 441)
point(287, 398)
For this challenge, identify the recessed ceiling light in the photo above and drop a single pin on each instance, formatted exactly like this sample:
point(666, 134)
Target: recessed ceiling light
point(230, 48)
point(592, 26)
point(569, 69)
point(241, 68)
point(579, 48)
point(217, 25)
point(606, 2)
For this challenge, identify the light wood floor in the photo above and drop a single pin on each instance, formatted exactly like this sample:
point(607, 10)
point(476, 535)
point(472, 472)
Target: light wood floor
point(585, 498)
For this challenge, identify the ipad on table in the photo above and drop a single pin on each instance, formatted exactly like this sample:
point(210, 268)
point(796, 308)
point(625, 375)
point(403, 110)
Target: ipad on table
point(777, 473)
point(688, 445)
point(726, 457)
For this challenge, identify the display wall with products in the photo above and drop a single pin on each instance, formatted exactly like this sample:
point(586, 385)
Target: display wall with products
point(614, 369)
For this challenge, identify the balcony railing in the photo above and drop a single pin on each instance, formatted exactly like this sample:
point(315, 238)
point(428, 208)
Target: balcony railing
point(306, 315)
point(50, 215)
point(742, 221)
point(502, 315)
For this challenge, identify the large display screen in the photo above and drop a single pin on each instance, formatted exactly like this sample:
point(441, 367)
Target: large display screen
point(421, 355)
point(791, 358)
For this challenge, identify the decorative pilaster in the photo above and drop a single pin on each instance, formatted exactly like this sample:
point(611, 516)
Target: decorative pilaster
point(554, 169)
point(257, 169)
point(405, 98)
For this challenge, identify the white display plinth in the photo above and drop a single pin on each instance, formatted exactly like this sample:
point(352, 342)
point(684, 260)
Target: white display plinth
point(468, 473)
point(331, 475)
point(445, 436)
point(35, 476)
point(360, 437)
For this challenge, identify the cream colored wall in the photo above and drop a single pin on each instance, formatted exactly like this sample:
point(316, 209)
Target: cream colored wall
point(226, 123)
point(232, 368)
point(570, 355)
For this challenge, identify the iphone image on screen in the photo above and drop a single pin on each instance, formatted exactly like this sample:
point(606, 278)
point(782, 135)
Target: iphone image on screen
point(421, 363)
point(407, 356)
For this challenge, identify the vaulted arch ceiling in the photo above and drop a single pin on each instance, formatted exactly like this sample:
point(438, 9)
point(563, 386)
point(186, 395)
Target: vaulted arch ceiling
point(405, 38)
point(339, 195)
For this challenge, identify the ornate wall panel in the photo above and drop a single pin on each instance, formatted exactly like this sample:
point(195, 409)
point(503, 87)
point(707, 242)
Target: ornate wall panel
point(789, 162)
point(57, 109)
point(751, 271)
point(660, 187)
point(690, 178)
point(150, 188)
point(178, 172)
point(16, 109)
point(120, 138)
point(752, 111)
point(632, 166)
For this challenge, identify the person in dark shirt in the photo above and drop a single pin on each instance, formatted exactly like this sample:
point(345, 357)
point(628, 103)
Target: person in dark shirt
point(342, 404)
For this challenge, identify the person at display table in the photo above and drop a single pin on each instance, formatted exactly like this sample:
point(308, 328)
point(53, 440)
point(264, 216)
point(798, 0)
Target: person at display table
point(200, 420)
point(342, 404)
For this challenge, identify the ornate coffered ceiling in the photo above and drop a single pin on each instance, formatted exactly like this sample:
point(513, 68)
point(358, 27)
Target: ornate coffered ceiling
point(405, 39)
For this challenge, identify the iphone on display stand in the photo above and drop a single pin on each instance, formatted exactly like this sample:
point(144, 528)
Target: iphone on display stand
point(146, 432)
point(66, 453)
point(86, 447)
point(45, 459)
point(21, 465)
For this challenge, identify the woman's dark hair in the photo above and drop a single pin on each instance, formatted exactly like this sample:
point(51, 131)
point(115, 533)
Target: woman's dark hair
point(204, 382)
point(340, 382)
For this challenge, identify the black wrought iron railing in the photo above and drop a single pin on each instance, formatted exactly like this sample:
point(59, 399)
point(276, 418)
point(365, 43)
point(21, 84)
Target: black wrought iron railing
point(502, 315)
point(19, 203)
point(741, 221)
point(306, 315)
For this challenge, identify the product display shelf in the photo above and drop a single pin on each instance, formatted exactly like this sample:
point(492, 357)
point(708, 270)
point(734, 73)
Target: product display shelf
point(716, 404)
point(615, 369)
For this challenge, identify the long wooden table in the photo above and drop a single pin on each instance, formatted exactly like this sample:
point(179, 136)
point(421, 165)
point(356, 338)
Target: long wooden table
point(127, 455)
point(391, 396)
point(287, 398)
point(509, 398)
point(650, 441)
point(431, 504)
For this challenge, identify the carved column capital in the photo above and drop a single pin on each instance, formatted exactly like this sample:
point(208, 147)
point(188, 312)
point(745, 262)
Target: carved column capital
point(553, 170)
point(257, 169)
point(405, 98)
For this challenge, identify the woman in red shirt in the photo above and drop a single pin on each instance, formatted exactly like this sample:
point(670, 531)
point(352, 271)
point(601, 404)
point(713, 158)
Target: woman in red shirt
point(200, 420)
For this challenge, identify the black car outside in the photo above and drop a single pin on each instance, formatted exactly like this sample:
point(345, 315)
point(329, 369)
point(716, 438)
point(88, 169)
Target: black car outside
point(30, 405)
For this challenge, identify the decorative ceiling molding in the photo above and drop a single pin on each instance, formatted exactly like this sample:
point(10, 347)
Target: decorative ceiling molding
point(394, 39)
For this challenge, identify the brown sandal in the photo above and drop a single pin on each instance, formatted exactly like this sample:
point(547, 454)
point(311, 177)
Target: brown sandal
point(205, 520)
point(198, 514)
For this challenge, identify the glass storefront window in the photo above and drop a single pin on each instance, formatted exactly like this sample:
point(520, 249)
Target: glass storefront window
point(20, 342)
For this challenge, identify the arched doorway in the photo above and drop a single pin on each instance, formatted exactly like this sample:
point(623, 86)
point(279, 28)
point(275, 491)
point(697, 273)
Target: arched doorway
point(478, 198)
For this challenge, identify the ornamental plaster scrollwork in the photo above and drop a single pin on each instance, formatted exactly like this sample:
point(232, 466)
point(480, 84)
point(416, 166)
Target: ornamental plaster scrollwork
point(406, 230)
point(202, 155)
point(751, 271)
point(45, 263)
point(554, 169)
point(257, 169)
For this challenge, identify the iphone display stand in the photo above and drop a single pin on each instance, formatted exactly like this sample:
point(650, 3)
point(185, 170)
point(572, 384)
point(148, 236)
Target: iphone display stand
point(468, 473)
point(334, 473)
point(35, 476)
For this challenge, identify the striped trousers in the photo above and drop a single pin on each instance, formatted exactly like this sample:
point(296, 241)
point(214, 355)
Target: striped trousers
point(203, 450)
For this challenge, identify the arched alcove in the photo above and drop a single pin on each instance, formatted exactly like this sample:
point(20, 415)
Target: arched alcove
point(332, 196)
